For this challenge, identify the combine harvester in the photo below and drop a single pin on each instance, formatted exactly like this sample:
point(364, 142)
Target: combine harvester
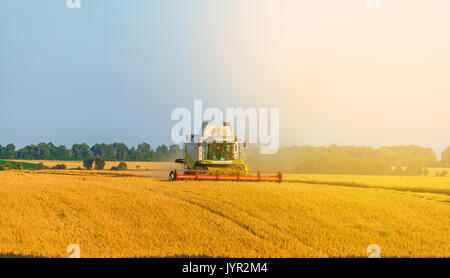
point(216, 155)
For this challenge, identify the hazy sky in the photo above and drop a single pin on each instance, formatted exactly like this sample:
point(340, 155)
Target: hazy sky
point(114, 70)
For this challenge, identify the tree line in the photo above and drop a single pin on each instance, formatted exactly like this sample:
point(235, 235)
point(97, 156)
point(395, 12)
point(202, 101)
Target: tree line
point(386, 160)
point(108, 152)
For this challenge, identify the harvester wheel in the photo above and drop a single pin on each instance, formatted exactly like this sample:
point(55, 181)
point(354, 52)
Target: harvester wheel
point(172, 176)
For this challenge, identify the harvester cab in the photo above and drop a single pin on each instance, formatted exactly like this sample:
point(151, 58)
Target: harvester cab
point(216, 154)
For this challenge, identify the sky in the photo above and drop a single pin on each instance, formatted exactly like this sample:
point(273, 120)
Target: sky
point(114, 70)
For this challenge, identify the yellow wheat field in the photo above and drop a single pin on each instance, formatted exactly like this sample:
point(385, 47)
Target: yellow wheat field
point(118, 215)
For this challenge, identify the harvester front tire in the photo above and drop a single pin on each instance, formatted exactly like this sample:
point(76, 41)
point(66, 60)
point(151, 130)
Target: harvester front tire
point(172, 176)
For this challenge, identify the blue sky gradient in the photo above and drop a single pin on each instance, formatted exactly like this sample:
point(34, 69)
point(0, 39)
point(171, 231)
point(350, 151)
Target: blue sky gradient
point(110, 71)
point(114, 70)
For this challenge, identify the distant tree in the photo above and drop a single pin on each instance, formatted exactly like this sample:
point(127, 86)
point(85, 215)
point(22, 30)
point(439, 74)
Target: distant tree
point(445, 156)
point(81, 151)
point(96, 150)
point(120, 150)
point(174, 149)
point(2, 152)
point(398, 171)
point(414, 169)
point(175, 152)
point(2, 168)
point(61, 153)
point(102, 150)
point(144, 152)
point(138, 167)
point(87, 163)
point(43, 151)
point(10, 151)
point(85, 151)
point(426, 172)
point(110, 153)
point(70, 154)
point(40, 166)
point(18, 166)
point(444, 173)
point(76, 151)
point(132, 154)
point(122, 166)
point(99, 163)
point(162, 152)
